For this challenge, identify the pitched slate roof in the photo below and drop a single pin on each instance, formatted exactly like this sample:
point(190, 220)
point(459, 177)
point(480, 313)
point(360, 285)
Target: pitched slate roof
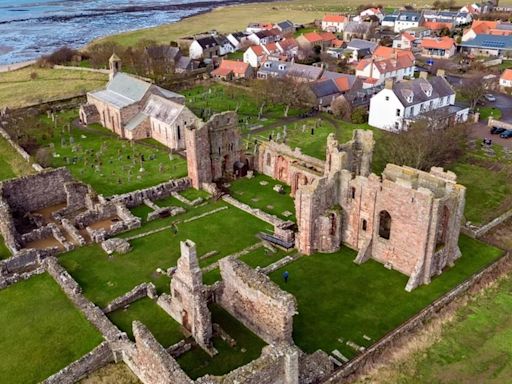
point(343, 81)
point(489, 42)
point(362, 44)
point(409, 16)
point(207, 42)
point(162, 109)
point(285, 24)
point(323, 88)
point(304, 71)
point(275, 67)
point(355, 27)
point(438, 85)
point(123, 90)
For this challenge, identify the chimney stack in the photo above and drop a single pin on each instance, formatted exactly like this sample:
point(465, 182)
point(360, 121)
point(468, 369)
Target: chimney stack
point(388, 83)
point(441, 73)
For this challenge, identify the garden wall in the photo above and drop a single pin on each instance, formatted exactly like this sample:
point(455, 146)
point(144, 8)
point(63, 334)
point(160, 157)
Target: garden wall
point(475, 233)
point(160, 191)
point(87, 364)
point(375, 354)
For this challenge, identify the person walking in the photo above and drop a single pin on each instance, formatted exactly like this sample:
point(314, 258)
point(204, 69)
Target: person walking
point(286, 275)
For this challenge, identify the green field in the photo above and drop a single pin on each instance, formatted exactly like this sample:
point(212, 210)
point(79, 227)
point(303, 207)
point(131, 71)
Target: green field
point(162, 326)
point(104, 278)
point(42, 332)
point(364, 300)
point(17, 89)
point(108, 163)
point(11, 162)
point(252, 193)
point(473, 347)
point(248, 347)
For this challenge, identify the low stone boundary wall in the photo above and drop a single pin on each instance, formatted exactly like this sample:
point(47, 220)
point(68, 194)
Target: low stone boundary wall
point(498, 123)
point(71, 288)
point(87, 364)
point(478, 232)
point(17, 277)
point(140, 291)
point(160, 191)
point(83, 69)
point(271, 219)
point(359, 364)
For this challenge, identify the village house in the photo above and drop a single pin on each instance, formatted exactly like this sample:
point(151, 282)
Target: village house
point(330, 86)
point(404, 41)
point(473, 9)
point(358, 49)
point(265, 36)
point(377, 69)
point(400, 103)
point(135, 109)
point(256, 27)
point(438, 47)
point(254, 56)
point(506, 80)
point(487, 27)
point(310, 40)
point(408, 19)
point(488, 45)
point(237, 39)
point(205, 47)
point(304, 73)
point(370, 12)
point(273, 68)
point(231, 69)
point(172, 56)
point(418, 32)
point(225, 46)
point(389, 21)
point(334, 23)
point(358, 30)
point(449, 18)
point(286, 27)
point(288, 47)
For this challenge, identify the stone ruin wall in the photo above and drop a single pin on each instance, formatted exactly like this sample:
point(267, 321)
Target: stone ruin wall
point(292, 168)
point(256, 301)
point(213, 148)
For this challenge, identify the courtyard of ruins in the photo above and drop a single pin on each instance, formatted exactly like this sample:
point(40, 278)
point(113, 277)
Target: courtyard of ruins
point(138, 194)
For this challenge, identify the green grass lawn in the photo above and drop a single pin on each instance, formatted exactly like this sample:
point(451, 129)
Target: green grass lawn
point(339, 299)
point(222, 97)
point(193, 194)
point(116, 173)
point(4, 251)
point(473, 347)
point(11, 163)
point(486, 193)
point(486, 112)
point(197, 363)
point(42, 332)
point(248, 190)
point(104, 278)
point(165, 329)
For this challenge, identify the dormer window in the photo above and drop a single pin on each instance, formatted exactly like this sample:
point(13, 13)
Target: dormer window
point(282, 67)
point(410, 99)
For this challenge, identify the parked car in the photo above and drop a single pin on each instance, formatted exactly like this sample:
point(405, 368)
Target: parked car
point(497, 130)
point(489, 97)
point(507, 134)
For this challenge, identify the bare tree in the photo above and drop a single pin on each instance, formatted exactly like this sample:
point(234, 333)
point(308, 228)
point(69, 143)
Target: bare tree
point(473, 89)
point(341, 108)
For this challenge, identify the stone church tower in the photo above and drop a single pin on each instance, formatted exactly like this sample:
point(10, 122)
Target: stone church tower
point(114, 64)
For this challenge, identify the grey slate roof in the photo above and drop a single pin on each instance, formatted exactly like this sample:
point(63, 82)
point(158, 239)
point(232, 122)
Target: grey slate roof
point(361, 44)
point(207, 42)
point(409, 16)
point(304, 71)
point(391, 18)
point(273, 67)
point(285, 24)
point(490, 42)
point(356, 27)
point(123, 90)
point(162, 109)
point(136, 120)
point(324, 88)
point(438, 85)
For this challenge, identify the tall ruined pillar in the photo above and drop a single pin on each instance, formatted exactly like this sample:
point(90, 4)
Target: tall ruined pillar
point(188, 297)
point(199, 164)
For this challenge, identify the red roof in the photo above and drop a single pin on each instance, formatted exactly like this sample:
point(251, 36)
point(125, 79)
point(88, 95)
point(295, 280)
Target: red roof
point(483, 26)
point(335, 18)
point(288, 43)
point(342, 84)
point(507, 75)
point(257, 49)
point(444, 42)
point(386, 65)
point(315, 37)
point(382, 52)
point(228, 66)
point(338, 43)
point(408, 36)
point(437, 25)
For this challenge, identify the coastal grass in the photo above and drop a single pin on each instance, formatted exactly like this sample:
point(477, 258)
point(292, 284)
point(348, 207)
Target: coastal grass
point(471, 347)
point(197, 363)
point(339, 301)
point(165, 329)
point(18, 89)
point(108, 163)
point(104, 278)
point(253, 193)
point(11, 162)
point(42, 332)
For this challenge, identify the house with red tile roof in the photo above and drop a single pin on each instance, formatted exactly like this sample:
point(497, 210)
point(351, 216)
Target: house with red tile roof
point(404, 41)
point(288, 47)
point(378, 69)
point(439, 47)
point(334, 23)
point(323, 40)
point(506, 80)
point(231, 69)
point(438, 25)
point(254, 56)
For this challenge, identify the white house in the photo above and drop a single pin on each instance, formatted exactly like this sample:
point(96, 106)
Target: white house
point(400, 103)
point(377, 12)
point(204, 48)
point(398, 66)
point(438, 47)
point(265, 36)
point(389, 21)
point(237, 39)
point(473, 8)
point(404, 41)
point(254, 56)
point(506, 79)
point(334, 23)
point(407, 19)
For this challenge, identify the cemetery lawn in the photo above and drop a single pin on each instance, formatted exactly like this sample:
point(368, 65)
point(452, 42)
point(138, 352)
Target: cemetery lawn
point(165, 329)
point(104, 278)
point(252, 193)
point(116, 173)
point(17, 89)
point(197, 363)
point(340, 300)
point(11, 162)
point(42, 332)
point(223, 97)
point(4, 251)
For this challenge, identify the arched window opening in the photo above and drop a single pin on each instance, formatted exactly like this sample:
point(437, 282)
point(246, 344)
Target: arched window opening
point(384, 225)
point(365, 225)
point(353, 192)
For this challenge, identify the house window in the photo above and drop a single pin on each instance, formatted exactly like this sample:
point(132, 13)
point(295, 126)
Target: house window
point(384, 225)
point(179, 133)
point(387, 98)
point(398, 112)
point(365, 225)
point(397, 125)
